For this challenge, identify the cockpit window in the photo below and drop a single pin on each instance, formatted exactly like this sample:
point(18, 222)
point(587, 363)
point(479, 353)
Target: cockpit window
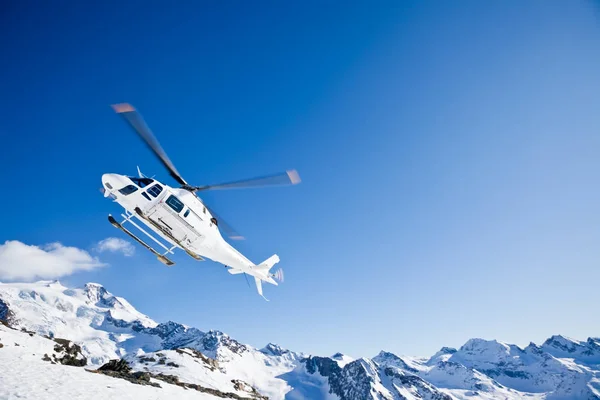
point(155, 190)
point(127, 190)
point(142, 182)
point(175, 203)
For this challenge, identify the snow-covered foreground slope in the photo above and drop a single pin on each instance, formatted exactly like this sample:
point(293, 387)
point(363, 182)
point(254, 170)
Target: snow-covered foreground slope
point(214, 365)
point(24, 375)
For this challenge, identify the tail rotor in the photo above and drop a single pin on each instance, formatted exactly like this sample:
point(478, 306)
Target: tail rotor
point(278, 275)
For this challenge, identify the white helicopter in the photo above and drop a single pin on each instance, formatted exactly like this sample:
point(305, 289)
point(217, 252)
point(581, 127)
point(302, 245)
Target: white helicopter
point(179, 216)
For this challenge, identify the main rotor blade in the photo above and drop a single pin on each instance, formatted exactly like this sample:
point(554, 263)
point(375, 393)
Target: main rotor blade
point(290, 177)
point(224, 226)
point(135, 120)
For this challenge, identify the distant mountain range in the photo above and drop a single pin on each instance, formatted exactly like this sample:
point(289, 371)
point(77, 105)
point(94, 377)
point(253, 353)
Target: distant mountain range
point(64, 339)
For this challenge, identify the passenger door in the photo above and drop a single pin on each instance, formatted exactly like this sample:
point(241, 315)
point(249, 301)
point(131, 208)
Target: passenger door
point(168, 215)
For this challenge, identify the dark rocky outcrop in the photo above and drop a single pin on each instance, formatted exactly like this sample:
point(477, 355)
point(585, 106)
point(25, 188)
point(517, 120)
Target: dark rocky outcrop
point(135, 326)
point(69, 353)
point(244, 387)
point(7, 317)
point(386, 358)
point(213, 339)
point(238, 385)
point(167, 329)
point(210, 362)
point(30, 333)
point(359, 379)
point(66, 353)
point(417, 384)
point(121, 369)
point(330, 369)
point(116, 366)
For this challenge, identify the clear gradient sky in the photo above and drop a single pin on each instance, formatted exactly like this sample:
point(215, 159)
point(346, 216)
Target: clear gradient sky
point(449, 153)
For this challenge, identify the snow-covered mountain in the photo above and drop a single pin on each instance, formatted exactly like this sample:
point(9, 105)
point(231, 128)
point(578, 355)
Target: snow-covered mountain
point(68, 337)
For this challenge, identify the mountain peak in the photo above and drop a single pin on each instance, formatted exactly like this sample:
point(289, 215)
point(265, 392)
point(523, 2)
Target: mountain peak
point(274, 350)
point(342, 359)
point(562, 346)
point(562, 342)
point(442, 355)
point(95, 292)
point(214, 339)
point(447, 350)
point(484, 345)
point(387, 359)
point(386, 355)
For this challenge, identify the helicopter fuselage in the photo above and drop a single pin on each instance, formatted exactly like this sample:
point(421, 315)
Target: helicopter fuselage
point(180, 218)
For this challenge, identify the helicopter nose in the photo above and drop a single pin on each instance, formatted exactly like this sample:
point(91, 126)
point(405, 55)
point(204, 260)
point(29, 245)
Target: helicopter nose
point(112, 183)
point(109, 181)
point(108, 184)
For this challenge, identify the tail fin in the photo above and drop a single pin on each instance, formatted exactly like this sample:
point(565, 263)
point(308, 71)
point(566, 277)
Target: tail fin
point(266, 265)
point(264, 268)
point(258, 282)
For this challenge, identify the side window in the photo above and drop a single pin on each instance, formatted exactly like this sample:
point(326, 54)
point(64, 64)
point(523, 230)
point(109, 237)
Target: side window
point(155, 190)
point(187, 212)
point(127, 190)
point(146, 196)
point(175, 203)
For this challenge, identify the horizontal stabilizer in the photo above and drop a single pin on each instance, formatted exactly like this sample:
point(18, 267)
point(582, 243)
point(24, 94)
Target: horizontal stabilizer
point(233, 271)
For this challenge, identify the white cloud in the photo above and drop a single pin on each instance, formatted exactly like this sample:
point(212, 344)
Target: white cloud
point(115, 245)
point(19, 261)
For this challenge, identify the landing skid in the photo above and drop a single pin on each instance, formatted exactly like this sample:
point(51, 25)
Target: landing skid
point(168, 234)
point(160, 257)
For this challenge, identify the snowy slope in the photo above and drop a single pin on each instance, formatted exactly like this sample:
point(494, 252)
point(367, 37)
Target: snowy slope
point(24, 375)
point(107, 327)
point(83, 315)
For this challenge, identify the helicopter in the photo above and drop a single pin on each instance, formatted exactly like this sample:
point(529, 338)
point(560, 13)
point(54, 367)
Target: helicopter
point(178, 216)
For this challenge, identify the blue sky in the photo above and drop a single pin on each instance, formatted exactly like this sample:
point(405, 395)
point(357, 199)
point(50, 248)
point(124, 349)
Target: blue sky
point(449, 157)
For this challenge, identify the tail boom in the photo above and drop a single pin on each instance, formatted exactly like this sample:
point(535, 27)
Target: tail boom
point(261, 272)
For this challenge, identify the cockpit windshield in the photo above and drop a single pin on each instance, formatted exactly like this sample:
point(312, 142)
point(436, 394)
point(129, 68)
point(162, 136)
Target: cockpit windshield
point(127, 190)
point(142, 182)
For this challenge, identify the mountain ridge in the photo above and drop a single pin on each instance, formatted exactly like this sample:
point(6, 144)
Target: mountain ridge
point(107, 327)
